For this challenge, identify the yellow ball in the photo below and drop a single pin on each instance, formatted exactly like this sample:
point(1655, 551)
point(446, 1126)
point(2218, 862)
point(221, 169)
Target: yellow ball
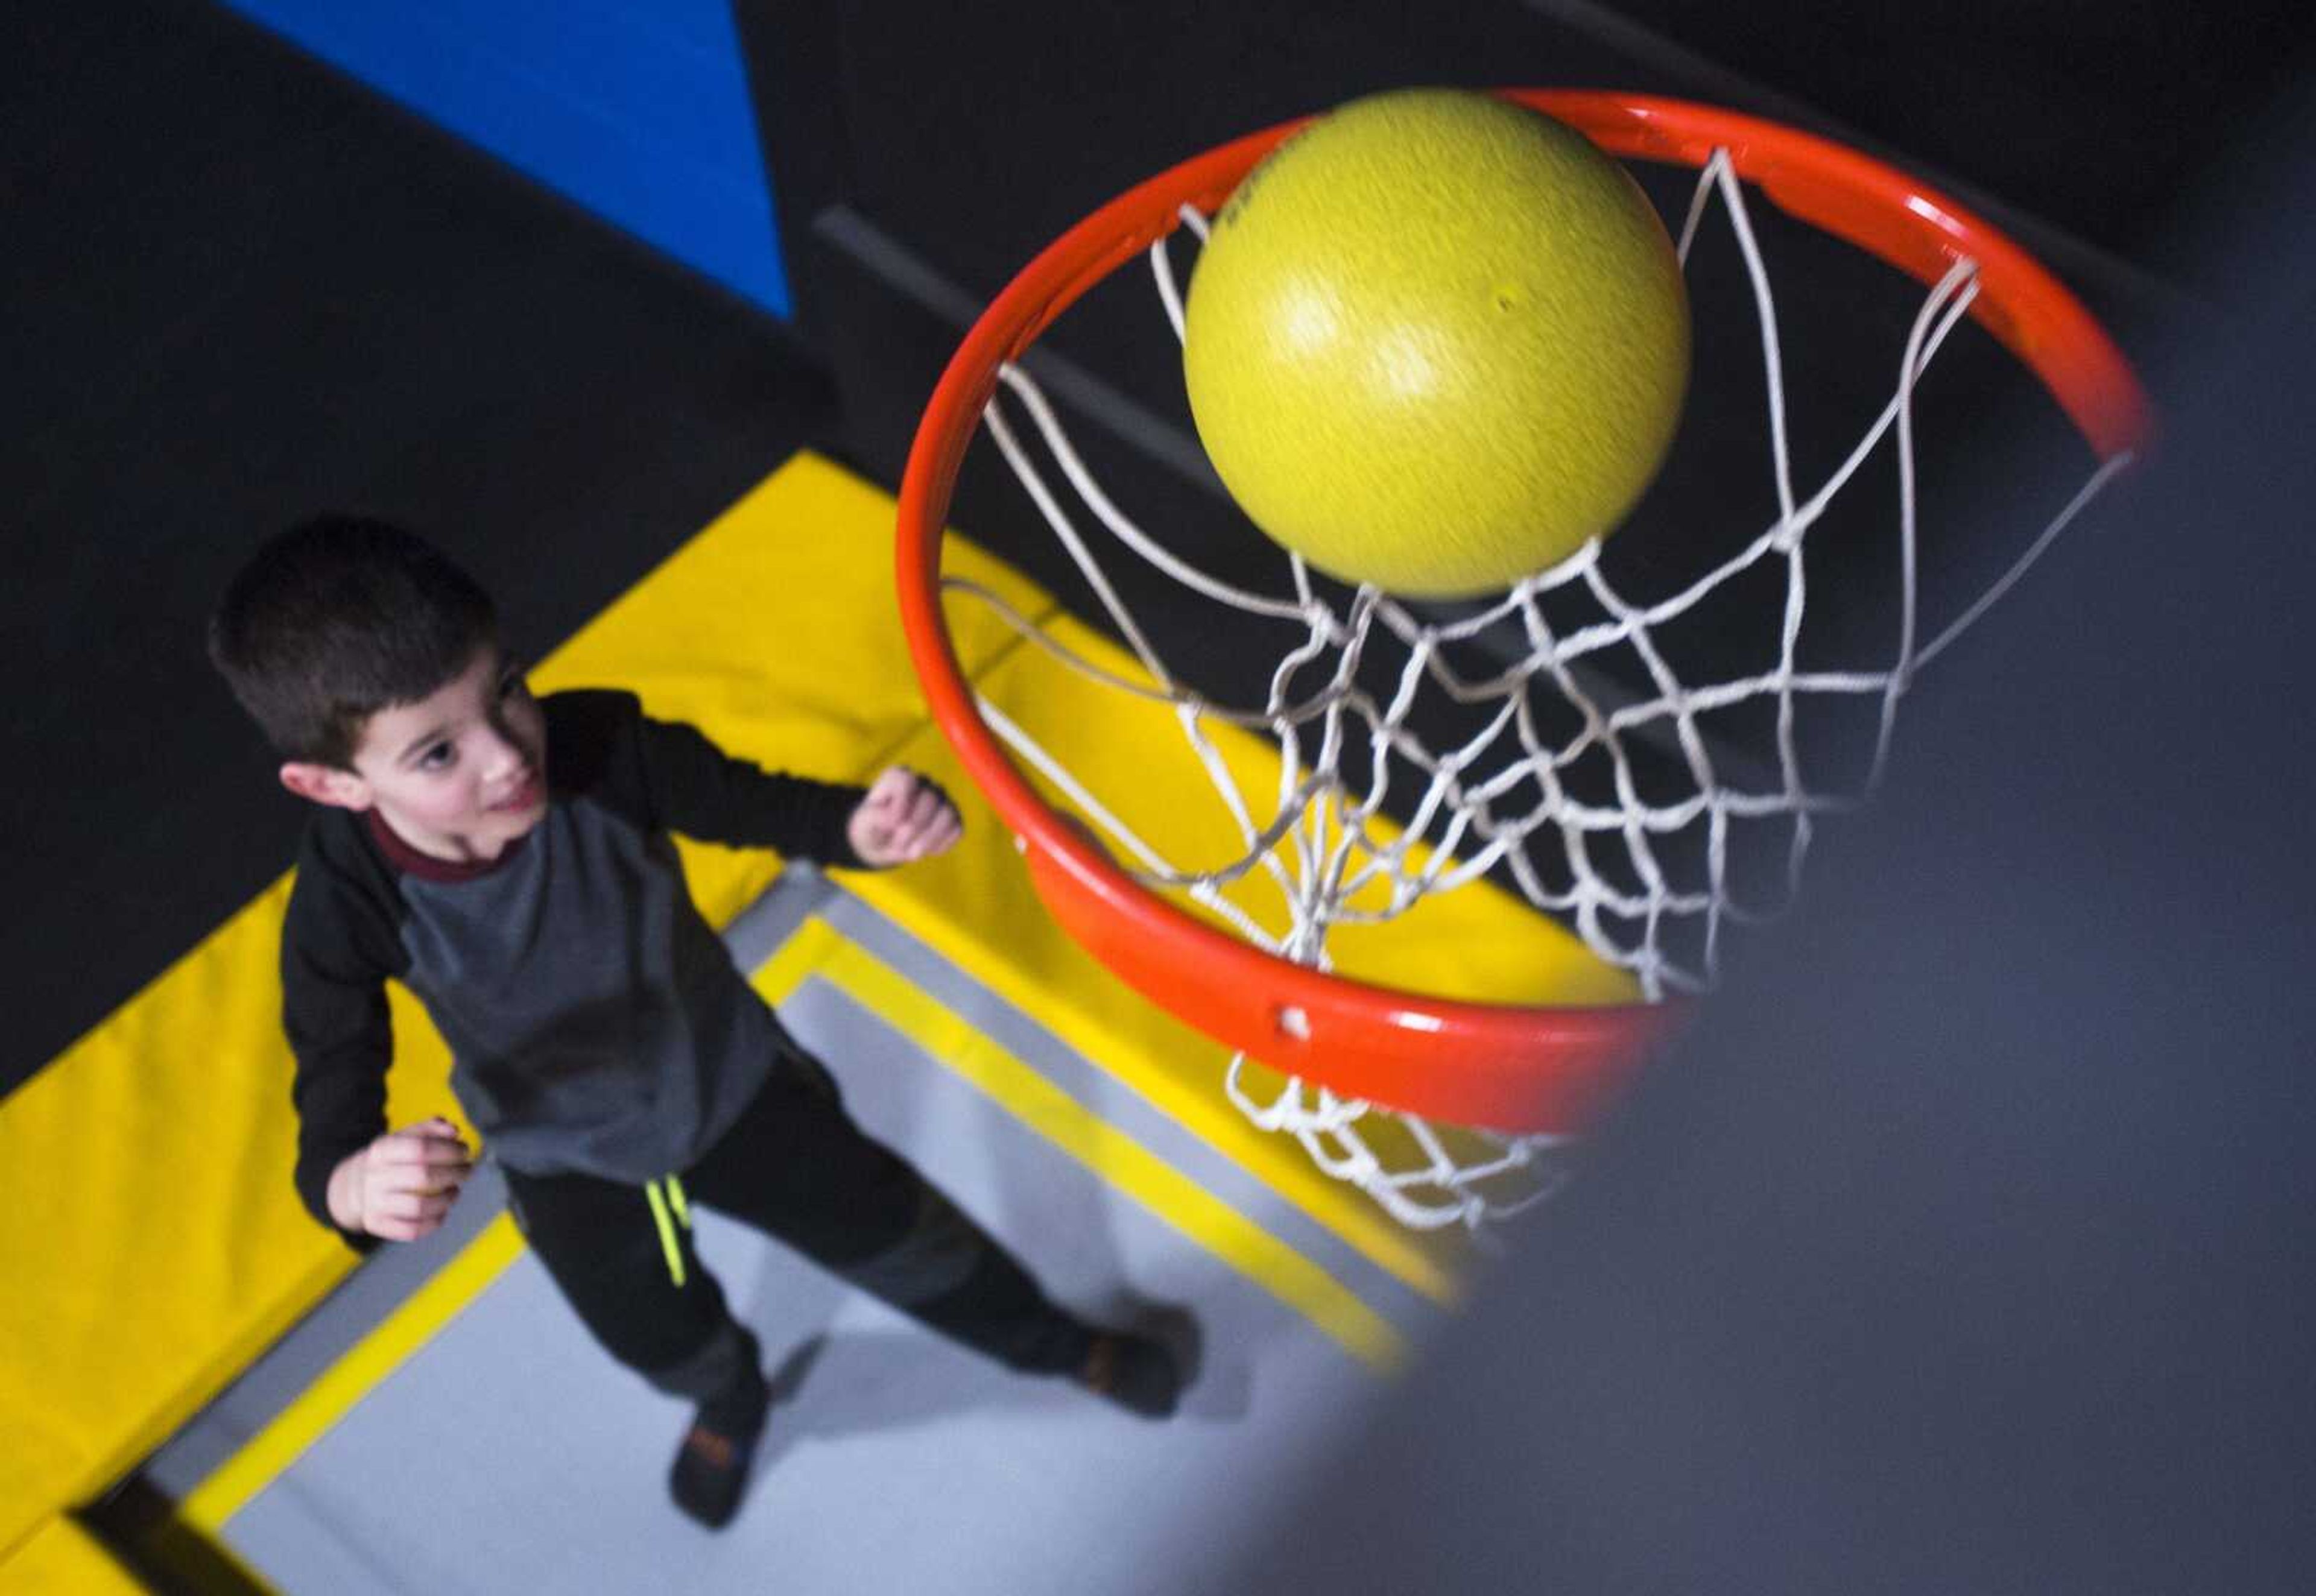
point(1436, 341)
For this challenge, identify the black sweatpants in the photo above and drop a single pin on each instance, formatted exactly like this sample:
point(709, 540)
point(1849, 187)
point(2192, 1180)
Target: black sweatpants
point(797, 1168)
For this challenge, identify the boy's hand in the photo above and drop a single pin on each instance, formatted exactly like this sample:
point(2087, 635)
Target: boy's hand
point(402, 1185)
point(904, 818)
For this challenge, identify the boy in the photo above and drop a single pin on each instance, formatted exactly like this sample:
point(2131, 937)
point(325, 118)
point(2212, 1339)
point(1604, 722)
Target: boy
point(508, 859)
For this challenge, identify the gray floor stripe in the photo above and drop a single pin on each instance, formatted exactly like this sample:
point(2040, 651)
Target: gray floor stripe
point(773, 918)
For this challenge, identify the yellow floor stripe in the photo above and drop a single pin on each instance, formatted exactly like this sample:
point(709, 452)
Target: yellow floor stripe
point(1117, 1158)
point(352, 1377)
point(1417, 1259)
point(778, 977)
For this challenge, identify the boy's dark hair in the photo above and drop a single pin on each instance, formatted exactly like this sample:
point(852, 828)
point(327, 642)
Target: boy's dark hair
point(337, 618)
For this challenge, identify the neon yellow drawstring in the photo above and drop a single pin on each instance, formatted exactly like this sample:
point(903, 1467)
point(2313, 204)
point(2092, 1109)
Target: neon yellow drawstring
point(668, 1244)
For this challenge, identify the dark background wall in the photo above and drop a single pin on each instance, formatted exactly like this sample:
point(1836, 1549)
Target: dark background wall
point(973, 135)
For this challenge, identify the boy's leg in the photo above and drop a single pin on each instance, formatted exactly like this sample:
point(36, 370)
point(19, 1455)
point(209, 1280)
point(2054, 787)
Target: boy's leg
point(618, 1264)
point(796, 1167)
point(605, 1252)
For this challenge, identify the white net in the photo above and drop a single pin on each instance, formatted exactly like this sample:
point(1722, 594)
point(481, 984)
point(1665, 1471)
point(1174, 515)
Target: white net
point(1606, 797)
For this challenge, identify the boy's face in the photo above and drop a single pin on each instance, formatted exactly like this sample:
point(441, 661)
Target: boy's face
point(458, 775)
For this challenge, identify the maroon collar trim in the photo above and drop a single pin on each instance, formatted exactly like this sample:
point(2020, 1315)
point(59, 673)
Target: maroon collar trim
point(426, 867)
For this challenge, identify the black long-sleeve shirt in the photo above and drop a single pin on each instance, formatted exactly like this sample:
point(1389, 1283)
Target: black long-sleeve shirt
point(596, 1022)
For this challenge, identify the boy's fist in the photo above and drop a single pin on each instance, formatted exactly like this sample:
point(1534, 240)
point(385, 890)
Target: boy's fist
point(402, 1185)
point(904, 818)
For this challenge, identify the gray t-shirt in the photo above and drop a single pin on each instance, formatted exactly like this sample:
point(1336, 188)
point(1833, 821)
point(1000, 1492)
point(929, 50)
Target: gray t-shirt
point(596, 1022)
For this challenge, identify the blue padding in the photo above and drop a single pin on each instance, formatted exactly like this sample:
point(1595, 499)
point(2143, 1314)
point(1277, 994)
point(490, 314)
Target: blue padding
point(637, 110)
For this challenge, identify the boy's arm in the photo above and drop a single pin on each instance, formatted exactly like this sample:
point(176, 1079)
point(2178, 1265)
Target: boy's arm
point(334, 1012)
point(697, 789)
point(670, 776)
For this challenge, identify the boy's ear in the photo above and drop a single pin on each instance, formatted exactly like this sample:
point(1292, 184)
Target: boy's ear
point(326, 784)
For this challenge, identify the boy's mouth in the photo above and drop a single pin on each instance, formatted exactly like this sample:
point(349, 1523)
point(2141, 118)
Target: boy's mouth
point(524, 798)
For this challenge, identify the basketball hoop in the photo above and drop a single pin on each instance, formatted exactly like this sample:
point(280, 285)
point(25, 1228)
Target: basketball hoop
point(1527, 1074)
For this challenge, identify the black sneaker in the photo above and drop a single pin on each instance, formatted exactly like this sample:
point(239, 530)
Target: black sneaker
point(711, 1468)
point(1137, 1372)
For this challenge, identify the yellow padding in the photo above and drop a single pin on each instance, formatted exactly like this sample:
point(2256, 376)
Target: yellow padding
point(154, 1247)
point(60, 1558)
point(776, 633)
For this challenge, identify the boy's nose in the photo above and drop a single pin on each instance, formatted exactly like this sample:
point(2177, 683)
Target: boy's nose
point(506, 757)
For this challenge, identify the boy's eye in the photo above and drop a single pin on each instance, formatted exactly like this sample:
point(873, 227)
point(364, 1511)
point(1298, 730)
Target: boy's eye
point(436, 757)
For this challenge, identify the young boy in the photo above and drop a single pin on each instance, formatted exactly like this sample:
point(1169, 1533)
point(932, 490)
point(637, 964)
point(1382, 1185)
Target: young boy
point(508, 859)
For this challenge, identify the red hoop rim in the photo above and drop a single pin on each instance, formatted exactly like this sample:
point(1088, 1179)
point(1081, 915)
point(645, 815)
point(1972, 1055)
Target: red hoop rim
point(1503, 1067)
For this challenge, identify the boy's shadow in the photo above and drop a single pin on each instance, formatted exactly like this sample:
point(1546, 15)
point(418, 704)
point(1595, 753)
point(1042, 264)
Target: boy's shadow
point(861, 1383)
point(828, 1387)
